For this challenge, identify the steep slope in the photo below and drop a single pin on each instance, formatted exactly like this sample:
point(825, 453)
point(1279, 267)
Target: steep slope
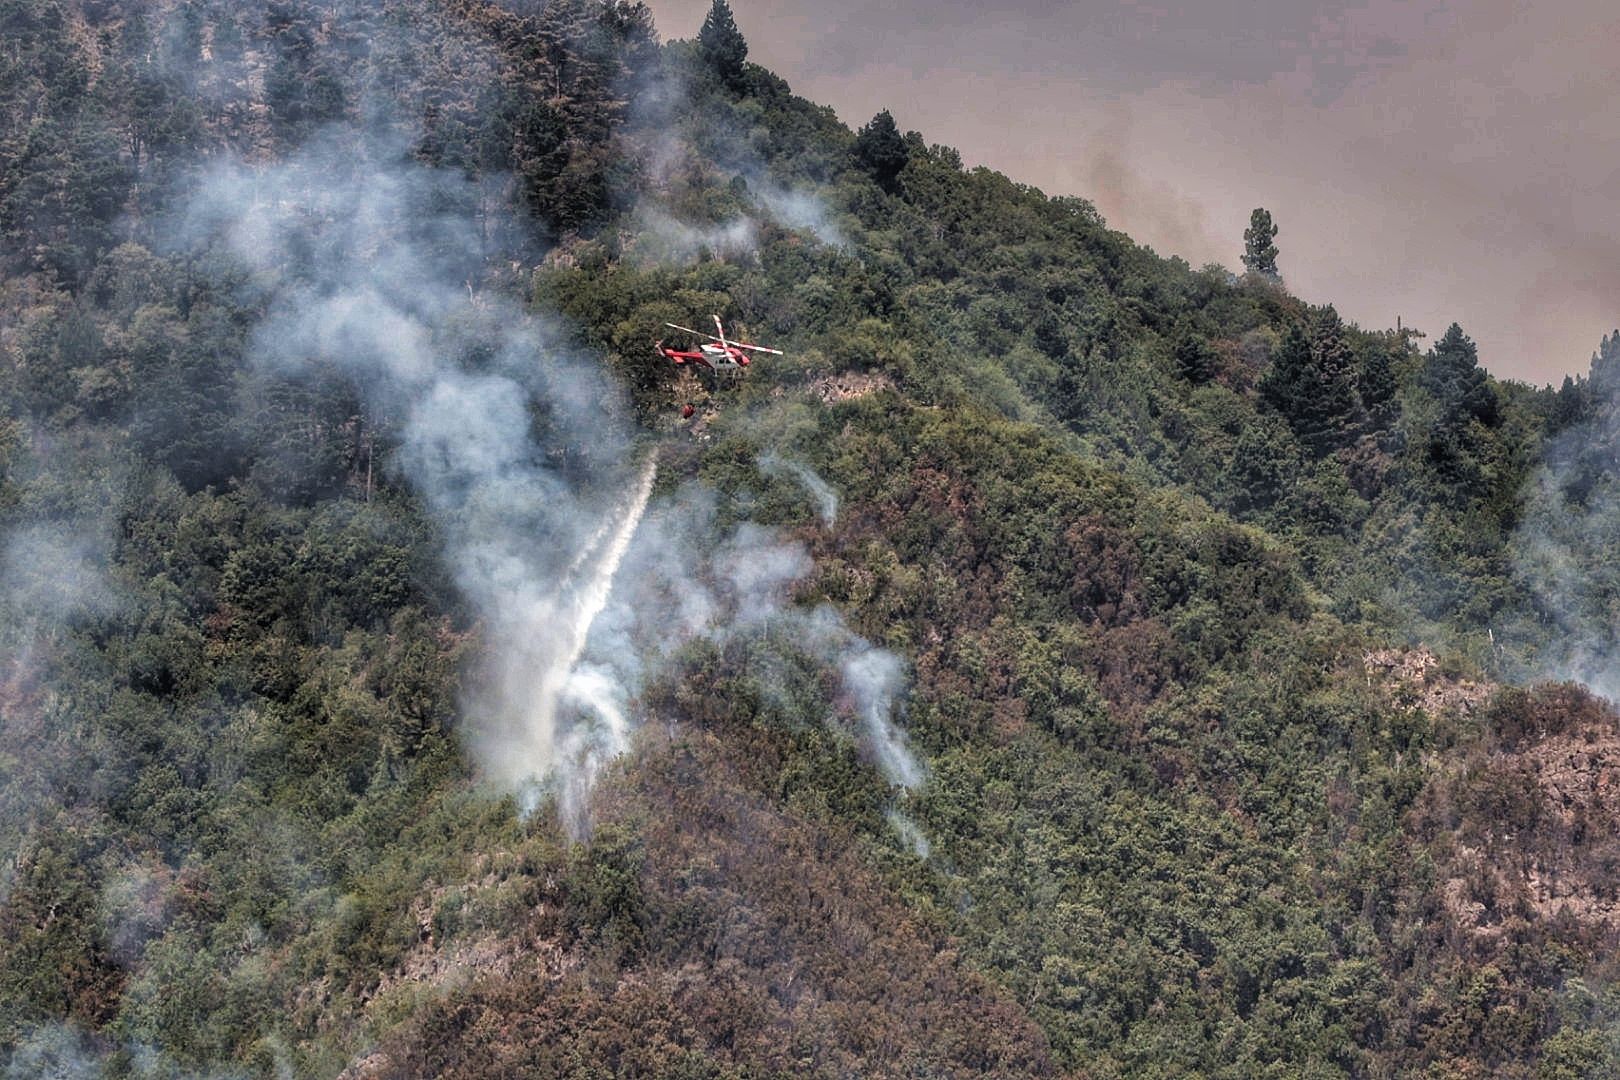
point(1129, 564)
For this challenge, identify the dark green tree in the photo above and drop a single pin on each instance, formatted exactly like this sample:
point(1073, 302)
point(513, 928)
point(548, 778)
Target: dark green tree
point(1263, 465)
point(1310, 381)
point(631, 24)
point(1459, 445)
point(1195, 360)
point(1049, 336)
point(722, 45)
point(1377, 378)
point(881, 150)
point(1259, 252)
point(302, 87)
point(1605, 378)
point(1569, 405)
point(1451, 372)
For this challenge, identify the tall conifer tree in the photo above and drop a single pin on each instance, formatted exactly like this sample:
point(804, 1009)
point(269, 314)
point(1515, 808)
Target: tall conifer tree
point(1259, 253)
point(722, 45)
point(1451, 372)
point(881, 150)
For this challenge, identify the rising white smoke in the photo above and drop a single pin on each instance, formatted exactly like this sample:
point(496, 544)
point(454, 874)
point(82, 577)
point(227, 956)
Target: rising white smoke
point(795, 208)
point(1565, 547)
point(826, 499)
point(660, 137)
point(661, 237)
point(54, 578)
point(600, 730)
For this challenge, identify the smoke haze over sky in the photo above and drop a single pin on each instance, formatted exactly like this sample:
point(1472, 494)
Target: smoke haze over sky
point(1434, 160)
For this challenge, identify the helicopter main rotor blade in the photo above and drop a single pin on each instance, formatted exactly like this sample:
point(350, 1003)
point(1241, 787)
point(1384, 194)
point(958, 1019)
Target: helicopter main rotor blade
point(723, 341)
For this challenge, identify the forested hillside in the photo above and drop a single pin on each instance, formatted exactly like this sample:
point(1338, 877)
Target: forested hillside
point(1061, 662)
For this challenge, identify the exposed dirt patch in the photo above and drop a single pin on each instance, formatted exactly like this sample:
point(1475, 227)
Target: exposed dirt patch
point(1578, 777)
point(848, 385)
point(1527, 822)
point(1415, 680)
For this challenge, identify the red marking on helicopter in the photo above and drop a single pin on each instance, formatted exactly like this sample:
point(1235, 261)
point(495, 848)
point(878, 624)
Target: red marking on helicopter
point(717, 354)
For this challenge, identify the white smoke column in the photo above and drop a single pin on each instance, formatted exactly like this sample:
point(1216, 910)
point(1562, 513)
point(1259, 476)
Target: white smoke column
point(874, 677)
point(681, 585)
point(593, 596)
point(825, 497)
point(910, 832)
point(368, 265)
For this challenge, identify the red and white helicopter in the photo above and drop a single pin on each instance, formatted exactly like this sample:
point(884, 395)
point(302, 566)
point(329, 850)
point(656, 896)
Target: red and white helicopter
point(717, 354)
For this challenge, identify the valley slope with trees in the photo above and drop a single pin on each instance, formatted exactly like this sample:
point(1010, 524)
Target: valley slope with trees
point(1249, 659)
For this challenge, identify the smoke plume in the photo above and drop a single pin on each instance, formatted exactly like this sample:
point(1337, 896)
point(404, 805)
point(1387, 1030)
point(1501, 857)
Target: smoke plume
point(666, 124)
point(365, 264)
point(826, 499)
point(1565, 545)
point(583, 582)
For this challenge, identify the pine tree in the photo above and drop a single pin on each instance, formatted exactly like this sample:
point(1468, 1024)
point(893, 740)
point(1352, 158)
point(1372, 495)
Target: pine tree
point(722, 45)
point(1311, 381)
point(1262, 467)
point(1570, 405)
point(1376, 379)
point(882, 151)
point(1451, 372)
point(631, 24)
point(1259, 253)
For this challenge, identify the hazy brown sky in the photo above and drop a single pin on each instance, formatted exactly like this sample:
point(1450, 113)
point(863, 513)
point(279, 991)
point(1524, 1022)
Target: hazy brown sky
point(1438, 160)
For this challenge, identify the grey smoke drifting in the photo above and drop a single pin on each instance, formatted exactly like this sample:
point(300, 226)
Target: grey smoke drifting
point(662, 237)
point(825, 497)
point(678, 584)
point(51, 573)
point(63, 1051)
point(661, 105)
point(54, 579)
point(1566, 548)
point(797, 209)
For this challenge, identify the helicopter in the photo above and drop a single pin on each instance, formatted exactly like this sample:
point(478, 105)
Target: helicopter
point(717, 354)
